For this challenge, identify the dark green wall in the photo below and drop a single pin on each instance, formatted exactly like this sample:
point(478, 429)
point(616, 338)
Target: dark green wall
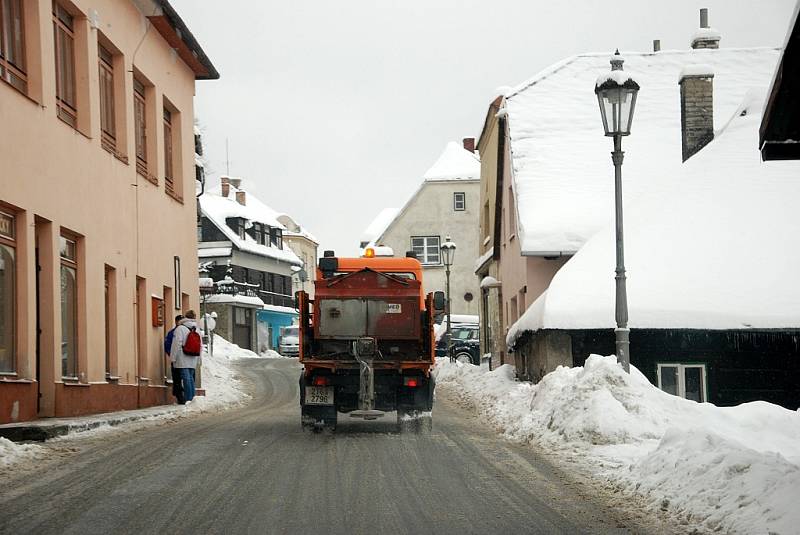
point(742, 366)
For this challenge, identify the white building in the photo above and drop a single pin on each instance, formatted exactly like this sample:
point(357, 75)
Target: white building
point(446, 204)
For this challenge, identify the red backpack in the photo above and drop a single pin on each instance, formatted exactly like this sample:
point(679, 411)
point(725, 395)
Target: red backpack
point(192, 345)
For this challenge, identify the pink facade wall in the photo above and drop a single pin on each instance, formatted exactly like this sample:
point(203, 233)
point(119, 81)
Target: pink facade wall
point(524, 278)
point(55, 178)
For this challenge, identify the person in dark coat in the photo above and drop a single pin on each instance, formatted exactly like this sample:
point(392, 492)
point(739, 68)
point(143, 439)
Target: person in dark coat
point(177, 387)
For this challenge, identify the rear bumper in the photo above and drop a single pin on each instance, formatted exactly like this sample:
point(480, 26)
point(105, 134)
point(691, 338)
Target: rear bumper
point(391, 393)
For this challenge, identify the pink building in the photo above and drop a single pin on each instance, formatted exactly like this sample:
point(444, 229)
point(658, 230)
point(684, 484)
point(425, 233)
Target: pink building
point(97, 208)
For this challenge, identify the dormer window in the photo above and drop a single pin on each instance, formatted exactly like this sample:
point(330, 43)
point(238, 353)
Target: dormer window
point(276, 237)
point(237, 225)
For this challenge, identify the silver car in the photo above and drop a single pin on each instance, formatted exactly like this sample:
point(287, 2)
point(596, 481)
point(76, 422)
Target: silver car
point(289, 341)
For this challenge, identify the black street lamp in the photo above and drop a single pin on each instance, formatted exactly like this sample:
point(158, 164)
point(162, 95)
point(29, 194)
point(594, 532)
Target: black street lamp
point(448, 256)
point(616, 93)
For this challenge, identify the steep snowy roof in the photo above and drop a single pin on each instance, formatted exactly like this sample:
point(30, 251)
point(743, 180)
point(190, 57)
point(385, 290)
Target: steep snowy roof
point(562, 170)
point(379, 224)
point(455, 163)
point(218, 208)
point(711, 246)
point(293, 228)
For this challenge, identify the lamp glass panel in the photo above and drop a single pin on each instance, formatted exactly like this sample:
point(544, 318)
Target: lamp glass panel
point(603, 112)
point(631, 107)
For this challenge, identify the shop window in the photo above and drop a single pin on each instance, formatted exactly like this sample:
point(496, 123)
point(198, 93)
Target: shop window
point(8, 311)
point(69, 308)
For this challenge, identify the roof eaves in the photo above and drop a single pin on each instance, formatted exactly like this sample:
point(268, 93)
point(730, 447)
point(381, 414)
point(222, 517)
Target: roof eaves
point(187, 37)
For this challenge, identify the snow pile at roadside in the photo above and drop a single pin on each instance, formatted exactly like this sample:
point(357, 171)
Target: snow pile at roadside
point(223, 388)
point(733, 469)
point(271, 354)
point(12, 453)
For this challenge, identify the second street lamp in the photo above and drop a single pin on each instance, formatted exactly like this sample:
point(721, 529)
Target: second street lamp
point(448, 255)
point(616, 93)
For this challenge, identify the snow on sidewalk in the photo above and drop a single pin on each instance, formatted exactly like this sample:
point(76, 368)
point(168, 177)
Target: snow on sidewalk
point(223, 389)
point(728, 469)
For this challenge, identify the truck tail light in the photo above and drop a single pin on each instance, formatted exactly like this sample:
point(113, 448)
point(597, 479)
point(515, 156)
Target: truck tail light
point(411, 382)
point(320, 381)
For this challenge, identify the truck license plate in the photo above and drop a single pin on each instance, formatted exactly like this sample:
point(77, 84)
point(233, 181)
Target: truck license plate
point(319, 395)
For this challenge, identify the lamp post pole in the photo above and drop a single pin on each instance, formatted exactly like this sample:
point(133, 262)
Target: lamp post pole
point(622, 333)
point(616, 94)
point(448, 249)
point(449, 323)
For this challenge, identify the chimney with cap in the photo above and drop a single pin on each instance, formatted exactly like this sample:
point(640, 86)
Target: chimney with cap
point(241, 198)
point(697, 108)
point(705, 36)
point(469, 144)
point(225, 185)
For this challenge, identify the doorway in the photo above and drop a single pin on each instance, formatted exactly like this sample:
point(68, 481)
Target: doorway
point(243, 327)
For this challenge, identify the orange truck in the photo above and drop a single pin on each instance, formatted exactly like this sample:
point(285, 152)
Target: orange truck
point(367, 342)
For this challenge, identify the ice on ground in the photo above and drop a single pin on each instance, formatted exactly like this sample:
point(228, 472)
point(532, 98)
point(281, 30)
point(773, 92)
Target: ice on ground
point(731, 469)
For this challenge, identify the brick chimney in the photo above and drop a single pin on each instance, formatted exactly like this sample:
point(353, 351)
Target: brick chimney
point(241, 198)
point(697, 108)
point(705, 36)
point(225, 185)
point(469, 143)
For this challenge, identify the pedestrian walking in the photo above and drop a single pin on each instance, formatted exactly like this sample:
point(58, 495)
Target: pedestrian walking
point(185, 353)
point(177, 389)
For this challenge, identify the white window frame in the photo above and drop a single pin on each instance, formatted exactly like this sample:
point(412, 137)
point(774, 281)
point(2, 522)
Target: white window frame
point(456, 201)
point(423, 258)
point(682, 377)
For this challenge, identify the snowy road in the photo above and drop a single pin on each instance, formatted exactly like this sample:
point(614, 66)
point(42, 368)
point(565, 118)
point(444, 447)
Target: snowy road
point(252, 470)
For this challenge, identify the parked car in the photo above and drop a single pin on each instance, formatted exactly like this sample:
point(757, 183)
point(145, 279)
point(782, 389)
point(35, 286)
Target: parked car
point(289, 341)
point(466, 343)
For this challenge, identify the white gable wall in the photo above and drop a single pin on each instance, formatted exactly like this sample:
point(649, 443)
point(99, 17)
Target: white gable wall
point(431, 213)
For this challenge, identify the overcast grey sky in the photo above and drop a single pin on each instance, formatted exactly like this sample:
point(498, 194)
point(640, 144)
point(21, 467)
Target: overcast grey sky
point(335, 109)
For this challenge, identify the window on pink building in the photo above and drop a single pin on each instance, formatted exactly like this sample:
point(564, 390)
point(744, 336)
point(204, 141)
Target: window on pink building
point(12, 44)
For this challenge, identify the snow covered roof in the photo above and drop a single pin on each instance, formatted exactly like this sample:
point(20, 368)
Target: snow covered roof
point(455, 163)
point(561, 166)
point(293, 228)
point(709, 246)
point(218, 208)
point(238, 299)
point(379, 224)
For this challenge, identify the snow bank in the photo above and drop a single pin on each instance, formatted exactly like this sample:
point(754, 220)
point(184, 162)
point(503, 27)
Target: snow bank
point(222, 386)
point(733, 469)
point(12, 453)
